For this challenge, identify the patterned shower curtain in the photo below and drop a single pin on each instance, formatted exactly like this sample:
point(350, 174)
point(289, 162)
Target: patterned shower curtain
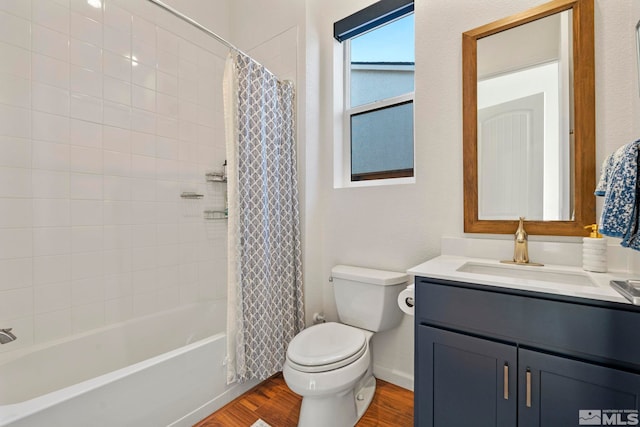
point(265, 305)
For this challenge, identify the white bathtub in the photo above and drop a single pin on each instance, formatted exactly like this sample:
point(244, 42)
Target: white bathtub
point(160, 370)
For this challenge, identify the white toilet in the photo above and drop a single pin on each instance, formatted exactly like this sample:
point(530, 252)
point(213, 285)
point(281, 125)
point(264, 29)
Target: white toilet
point(330, 364)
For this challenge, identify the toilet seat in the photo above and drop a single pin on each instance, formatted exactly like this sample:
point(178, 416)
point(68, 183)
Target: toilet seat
point(326, 347)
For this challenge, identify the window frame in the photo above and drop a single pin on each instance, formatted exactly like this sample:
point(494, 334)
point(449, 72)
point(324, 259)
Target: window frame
point(380, 177)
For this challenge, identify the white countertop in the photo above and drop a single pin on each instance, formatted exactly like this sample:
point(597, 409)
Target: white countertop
point(446, 267)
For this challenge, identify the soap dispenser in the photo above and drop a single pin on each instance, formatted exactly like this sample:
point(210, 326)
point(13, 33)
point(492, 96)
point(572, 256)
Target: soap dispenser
point(594, 251)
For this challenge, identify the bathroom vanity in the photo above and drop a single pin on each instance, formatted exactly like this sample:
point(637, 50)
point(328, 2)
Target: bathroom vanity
point(498, 346)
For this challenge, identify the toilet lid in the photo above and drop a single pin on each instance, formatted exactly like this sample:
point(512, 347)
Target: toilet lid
point(326, 344)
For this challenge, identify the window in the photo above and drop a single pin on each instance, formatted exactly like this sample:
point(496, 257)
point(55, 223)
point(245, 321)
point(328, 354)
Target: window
point(379, 85)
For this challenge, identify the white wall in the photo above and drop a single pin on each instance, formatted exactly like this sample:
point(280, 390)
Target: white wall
point(617, 99)
point(215, 15)
point(395, 227)
point(391, 227)
point(94, 153)
point(274, 33)
point(635, 14)
point(375, 227)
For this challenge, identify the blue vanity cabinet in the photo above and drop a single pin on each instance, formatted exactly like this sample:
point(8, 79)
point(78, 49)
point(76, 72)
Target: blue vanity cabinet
point(497, 357)
point(464, 381)
point(563, 389)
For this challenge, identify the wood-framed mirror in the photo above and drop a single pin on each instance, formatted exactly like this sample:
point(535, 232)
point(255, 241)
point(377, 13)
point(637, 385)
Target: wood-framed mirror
point(514, 163)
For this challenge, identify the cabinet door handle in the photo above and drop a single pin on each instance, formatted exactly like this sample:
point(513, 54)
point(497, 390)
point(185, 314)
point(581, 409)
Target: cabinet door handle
point(528, 397)
point(506, 381)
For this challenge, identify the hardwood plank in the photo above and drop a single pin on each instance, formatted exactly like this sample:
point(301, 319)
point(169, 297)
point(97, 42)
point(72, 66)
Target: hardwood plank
point(273, 402)
point(284, 410)
point(391, 406)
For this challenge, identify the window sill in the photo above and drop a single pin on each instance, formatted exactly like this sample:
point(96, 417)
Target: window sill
point(377, 182)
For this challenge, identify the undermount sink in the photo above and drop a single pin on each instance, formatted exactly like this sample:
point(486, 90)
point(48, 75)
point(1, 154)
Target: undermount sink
point(526, 272)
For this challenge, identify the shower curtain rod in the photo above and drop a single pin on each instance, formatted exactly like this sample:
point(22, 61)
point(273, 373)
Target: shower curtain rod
point(196, 24)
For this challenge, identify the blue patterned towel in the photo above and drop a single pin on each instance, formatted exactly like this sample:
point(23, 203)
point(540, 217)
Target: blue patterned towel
point(606, 171)
point(619, 185)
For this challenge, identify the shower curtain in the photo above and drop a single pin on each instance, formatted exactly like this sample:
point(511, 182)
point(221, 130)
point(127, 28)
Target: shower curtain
point(265, 305)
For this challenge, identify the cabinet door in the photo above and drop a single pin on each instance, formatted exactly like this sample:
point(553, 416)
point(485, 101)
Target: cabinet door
point(463, 381)
point(556, 391)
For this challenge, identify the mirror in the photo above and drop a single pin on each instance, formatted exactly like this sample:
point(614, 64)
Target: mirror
point(525, 120)
point(529, 121)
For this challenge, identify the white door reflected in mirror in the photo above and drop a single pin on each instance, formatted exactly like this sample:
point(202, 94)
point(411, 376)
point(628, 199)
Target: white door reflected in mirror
point(525, 116)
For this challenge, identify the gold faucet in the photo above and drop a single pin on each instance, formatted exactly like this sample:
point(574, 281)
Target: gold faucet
point(521, 248)
point(521, 245)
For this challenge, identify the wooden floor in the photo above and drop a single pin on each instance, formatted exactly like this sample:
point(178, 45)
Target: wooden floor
point(274, 403)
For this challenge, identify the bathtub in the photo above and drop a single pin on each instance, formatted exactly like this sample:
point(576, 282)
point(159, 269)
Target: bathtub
point(164, 369)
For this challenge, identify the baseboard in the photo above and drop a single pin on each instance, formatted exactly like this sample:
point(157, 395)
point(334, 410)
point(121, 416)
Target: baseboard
point(393, 376)
point(213, 405)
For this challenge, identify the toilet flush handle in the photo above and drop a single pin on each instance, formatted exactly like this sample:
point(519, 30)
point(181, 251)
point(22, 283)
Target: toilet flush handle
point(318, 318)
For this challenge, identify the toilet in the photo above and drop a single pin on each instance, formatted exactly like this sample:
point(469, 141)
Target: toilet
point(330, 364)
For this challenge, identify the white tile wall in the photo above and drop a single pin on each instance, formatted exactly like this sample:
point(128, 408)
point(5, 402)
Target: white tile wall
point(14, 30)
point(105, 118)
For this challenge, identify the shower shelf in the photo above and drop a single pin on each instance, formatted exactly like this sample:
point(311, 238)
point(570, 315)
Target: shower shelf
point(191, 195)
point(211, 214)
point(215, 177)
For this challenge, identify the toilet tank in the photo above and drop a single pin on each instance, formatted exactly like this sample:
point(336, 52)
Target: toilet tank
point(368, 298)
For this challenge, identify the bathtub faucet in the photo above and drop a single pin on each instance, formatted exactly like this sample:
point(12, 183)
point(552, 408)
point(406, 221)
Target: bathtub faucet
point(6, 336)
